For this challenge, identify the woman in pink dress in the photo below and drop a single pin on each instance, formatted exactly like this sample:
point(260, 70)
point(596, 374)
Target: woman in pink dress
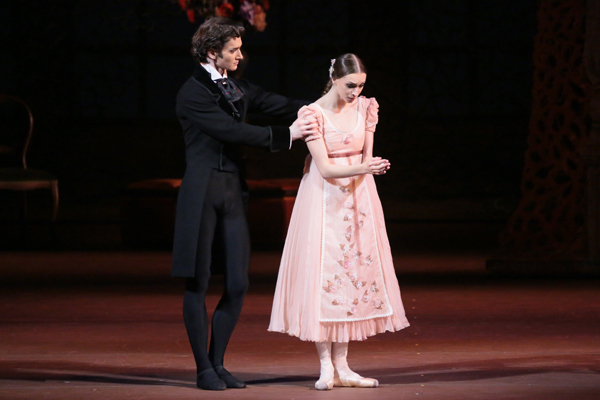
point(336, 280)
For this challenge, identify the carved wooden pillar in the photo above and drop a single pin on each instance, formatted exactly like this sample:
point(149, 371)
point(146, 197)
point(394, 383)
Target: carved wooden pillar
point(547, 231)
point(591, 149)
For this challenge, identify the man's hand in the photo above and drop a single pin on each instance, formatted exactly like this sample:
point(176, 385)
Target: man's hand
point(304, 128)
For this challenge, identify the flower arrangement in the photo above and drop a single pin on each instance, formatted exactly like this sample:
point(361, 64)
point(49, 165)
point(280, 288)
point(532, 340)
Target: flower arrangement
point(252, 12)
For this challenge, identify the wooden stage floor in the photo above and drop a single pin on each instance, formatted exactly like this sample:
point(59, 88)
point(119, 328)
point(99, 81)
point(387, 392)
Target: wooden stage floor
point(108, 325)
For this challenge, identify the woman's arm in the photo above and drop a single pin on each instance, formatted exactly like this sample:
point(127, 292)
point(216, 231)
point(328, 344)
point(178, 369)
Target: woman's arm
point(368, 145)
point(318, 151)
point(372, 117)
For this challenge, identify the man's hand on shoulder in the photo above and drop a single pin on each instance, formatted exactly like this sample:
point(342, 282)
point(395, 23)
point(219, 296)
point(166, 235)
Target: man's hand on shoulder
point(305, 128)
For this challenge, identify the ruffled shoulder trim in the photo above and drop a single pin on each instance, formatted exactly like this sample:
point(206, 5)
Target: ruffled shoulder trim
point(371, 114)
point(312, 110)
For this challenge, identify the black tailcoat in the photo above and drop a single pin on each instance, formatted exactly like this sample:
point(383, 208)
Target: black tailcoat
point(213, 135)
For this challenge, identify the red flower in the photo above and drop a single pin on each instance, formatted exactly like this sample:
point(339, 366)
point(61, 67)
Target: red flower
point(260, 18)
point(185, 6)
point(191, 16)
point(225, 10)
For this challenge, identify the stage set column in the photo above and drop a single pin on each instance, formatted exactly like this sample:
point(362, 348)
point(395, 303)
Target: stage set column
point(555, 228)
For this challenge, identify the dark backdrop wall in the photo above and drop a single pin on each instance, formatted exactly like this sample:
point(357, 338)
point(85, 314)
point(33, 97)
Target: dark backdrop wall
point(453, 79)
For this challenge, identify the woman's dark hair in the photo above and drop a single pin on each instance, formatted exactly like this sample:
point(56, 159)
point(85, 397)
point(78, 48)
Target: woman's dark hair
point(213, 34)
point(343, 65)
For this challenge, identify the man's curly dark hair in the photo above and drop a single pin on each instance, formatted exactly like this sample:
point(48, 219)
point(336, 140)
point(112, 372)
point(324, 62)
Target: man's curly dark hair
point(213, 34)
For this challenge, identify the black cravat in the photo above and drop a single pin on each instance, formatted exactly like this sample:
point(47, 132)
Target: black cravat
point(229, 89)
point(231, 93)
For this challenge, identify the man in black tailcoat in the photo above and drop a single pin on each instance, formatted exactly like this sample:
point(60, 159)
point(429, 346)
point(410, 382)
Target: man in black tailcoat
point(210, 219)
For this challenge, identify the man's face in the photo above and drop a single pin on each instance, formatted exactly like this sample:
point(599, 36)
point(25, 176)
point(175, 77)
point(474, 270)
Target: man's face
point(350, 86)
point(229, 58)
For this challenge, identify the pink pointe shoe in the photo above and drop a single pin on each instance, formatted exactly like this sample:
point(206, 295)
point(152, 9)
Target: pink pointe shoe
point(324, 384)
point(343, 375)
point(325, 381)
point(355, 381)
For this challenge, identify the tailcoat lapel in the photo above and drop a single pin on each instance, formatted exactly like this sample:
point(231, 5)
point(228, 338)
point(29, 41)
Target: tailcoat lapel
point(202, 76)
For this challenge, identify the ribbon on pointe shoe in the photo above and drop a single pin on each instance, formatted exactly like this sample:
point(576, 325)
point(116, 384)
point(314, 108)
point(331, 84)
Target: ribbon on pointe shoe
point(343, 375)
point(325, 381)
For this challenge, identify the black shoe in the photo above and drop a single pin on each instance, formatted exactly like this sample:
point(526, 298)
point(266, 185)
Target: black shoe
point(231, 381)
point(209, 380)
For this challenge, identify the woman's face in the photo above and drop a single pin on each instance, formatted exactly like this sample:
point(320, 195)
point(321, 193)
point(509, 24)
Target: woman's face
point(349, 87)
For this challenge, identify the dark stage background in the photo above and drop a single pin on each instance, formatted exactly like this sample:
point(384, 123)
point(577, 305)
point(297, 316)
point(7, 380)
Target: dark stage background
point(453, 79)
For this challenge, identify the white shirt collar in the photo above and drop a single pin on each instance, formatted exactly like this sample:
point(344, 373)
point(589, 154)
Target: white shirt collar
point(214, 74)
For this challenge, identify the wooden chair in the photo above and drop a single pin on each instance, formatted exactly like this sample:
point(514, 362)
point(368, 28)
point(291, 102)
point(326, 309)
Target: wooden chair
point(16, 130)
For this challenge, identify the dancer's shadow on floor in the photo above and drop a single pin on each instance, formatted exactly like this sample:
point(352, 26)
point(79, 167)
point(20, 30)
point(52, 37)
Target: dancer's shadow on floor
point(458, 371)
point(488, 369)
point(440, 372)
point(68, 371)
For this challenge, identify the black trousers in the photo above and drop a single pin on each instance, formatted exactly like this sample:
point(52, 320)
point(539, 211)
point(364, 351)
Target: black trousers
point(223, 244)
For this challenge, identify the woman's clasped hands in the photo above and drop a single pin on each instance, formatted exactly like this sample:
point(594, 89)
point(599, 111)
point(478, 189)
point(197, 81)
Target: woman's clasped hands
point(376, 165)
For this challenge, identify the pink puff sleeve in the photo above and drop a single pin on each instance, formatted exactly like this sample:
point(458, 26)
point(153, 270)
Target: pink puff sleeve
point(372, 114)
point(312, 110)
